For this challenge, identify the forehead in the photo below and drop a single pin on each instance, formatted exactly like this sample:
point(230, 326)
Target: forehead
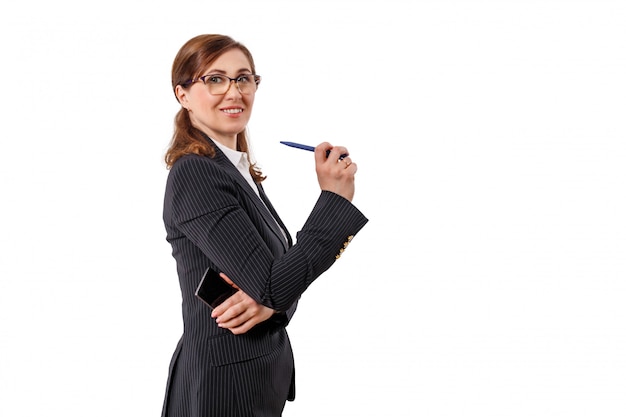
point(232, 61)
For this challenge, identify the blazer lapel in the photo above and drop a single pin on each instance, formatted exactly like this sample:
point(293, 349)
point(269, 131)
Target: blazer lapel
point(273, 212)
point(263, 206)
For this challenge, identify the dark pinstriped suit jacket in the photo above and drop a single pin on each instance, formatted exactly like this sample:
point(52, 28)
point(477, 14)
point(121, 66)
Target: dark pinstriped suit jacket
point(214, 219)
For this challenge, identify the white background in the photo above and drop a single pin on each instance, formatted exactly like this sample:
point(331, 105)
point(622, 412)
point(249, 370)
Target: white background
point(490, 139)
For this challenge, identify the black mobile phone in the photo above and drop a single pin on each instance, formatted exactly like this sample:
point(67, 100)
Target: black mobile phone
point(213, 290)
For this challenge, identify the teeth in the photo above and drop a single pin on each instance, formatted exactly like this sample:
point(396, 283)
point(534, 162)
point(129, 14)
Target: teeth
point(232, 111)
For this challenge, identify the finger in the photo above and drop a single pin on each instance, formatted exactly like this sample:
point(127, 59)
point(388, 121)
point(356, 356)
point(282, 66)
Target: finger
point(246, 325)
point(239, 313)
point(238, 318)
point(346, 162)
point(234, 321)
point(321, 150)
point(228, 281)
point(220, 309)
point(243, 328)
point(228, 304)
point(232, 313)
point(243, 308)
point(338, 153)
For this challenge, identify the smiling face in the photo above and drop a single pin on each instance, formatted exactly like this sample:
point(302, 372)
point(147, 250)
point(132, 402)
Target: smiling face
point(223, 116)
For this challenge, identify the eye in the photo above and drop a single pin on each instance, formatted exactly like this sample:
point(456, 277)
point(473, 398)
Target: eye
point(244, 79)
point(214, 79)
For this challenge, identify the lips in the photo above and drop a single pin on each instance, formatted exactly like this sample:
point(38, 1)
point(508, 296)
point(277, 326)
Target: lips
point(233, 111)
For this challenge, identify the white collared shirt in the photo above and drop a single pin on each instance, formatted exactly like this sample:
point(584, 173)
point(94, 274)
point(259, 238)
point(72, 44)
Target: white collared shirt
point(240, 162)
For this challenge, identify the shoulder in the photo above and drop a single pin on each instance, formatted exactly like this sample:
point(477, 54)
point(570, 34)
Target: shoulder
point(199, 178)
point(192, 162)
point(196, 168)
point(197, 185)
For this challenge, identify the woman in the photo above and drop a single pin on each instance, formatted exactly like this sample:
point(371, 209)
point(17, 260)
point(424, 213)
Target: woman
point(236, 359)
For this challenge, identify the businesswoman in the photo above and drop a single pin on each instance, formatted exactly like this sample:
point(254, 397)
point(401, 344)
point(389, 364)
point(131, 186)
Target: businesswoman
point(236, 359)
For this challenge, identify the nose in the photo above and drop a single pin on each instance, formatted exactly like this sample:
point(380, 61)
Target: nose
point(230, 90)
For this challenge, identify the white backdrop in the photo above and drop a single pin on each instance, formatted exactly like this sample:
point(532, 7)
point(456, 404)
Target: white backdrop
point(490, 139)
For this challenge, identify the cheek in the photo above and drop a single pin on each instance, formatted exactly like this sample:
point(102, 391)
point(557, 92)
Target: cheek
point(250, 101)
point(202, 101)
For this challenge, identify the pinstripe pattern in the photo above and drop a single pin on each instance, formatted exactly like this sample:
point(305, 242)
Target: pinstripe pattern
point(213, 218)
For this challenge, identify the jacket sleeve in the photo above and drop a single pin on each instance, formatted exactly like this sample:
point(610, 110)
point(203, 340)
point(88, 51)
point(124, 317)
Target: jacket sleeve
point(206, 209)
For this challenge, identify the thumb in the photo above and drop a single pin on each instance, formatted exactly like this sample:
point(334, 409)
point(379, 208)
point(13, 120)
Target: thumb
point(228, 281)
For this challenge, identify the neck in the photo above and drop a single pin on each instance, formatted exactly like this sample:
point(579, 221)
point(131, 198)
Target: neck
point(229, 142)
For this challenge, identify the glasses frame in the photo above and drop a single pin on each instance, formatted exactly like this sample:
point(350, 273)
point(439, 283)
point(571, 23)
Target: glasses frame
point(256, 77)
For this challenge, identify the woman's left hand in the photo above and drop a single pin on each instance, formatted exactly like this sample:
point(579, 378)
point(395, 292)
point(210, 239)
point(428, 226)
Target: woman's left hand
point(240, 312)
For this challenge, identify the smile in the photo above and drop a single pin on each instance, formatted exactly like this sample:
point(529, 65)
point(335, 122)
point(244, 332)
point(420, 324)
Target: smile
point(232, 111)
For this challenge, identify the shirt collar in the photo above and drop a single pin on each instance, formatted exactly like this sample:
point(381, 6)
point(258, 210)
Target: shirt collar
point(235, 157)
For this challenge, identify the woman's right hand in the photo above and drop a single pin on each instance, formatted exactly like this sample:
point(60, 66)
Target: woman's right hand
point(240, 312)
point(335, 174)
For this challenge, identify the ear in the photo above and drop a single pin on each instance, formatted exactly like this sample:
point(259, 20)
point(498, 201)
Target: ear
point(181, 95)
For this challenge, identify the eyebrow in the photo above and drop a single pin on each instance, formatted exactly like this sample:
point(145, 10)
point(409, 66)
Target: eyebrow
point(219, 71)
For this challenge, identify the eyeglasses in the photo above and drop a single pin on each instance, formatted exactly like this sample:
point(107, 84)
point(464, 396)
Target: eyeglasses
point(219, 84)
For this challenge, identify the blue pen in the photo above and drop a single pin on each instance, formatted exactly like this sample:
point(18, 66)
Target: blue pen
point(308, 148)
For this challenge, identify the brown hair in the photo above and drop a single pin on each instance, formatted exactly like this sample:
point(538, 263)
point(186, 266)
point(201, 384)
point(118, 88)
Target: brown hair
point(193, 58)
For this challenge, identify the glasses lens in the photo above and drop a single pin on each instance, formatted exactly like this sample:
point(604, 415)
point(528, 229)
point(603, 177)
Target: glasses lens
point(246, 84)
point(219, 84)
